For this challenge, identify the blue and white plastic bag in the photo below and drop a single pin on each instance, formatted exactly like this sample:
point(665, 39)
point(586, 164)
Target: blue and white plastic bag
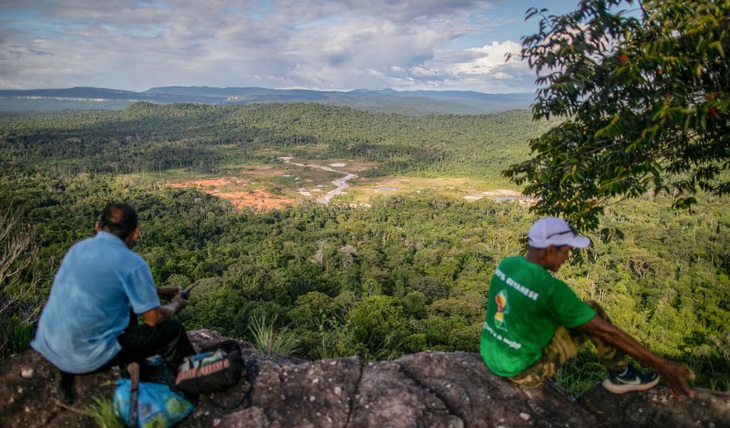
point(158, 406)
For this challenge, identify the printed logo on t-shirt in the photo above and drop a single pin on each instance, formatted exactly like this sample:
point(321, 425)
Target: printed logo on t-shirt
point(502, 310)
point(516, 285)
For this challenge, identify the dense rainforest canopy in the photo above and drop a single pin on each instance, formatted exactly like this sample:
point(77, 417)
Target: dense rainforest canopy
point(406, 274)
point(153, 138)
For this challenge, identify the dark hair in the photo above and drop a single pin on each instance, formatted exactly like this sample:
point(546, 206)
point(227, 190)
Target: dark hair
point(119, 219)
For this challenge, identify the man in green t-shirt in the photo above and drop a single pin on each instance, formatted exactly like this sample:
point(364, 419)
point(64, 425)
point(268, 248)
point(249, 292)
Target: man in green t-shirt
point(535, 322)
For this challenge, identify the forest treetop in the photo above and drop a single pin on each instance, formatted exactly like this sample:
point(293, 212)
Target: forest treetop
point(407, 274)
point(645, 101)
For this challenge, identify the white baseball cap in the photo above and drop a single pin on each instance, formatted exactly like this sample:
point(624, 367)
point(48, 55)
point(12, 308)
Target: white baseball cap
point(555, 231)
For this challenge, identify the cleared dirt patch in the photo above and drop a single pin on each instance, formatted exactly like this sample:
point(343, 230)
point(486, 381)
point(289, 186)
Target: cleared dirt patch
point(462, 187)
point(502, 192)
point(230, 188)
point(266, 187)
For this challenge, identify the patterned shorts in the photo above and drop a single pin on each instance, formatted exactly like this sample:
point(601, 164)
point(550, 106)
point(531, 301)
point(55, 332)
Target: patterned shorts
point(565, 345)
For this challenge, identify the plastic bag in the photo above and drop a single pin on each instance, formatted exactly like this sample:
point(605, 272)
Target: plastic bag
point(158, 406)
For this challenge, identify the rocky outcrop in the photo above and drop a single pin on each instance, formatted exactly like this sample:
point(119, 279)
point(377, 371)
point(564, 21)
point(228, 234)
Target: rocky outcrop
point(428, 389)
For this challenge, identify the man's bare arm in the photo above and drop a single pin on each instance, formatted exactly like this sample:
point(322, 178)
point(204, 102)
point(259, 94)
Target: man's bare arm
point(675, 375)
point(161, 313)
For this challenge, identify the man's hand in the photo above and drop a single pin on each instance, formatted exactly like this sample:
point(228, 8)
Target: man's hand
point(180, 301)
point(168, 292)
point(676, 376)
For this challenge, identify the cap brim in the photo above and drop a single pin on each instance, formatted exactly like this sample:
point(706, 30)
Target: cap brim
point(578, 242)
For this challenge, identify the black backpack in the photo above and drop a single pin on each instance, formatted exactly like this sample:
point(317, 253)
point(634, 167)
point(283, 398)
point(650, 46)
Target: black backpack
point(211, 372)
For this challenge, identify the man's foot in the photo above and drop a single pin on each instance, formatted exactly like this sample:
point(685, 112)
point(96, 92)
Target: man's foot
point(630, 379)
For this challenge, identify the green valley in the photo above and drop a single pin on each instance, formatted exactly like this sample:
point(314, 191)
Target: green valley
point(399, 263)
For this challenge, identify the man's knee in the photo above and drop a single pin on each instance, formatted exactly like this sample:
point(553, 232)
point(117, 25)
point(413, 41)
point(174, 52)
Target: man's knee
point(174, 333)
point(171, 327)
point(535, 375)
point(566, 344)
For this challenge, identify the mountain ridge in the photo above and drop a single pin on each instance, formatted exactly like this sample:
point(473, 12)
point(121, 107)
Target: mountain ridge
point(383, 100)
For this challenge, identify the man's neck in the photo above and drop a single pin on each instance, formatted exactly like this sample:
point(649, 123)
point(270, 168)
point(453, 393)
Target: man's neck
point(536, 256)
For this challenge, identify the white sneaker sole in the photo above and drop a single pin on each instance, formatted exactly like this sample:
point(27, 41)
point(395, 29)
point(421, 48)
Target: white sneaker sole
point(622, 388)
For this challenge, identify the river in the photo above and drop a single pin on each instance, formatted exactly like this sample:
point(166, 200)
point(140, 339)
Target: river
point(340, 183)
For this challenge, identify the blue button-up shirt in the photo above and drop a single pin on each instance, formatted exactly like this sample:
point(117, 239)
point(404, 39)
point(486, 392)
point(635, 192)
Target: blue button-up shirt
point(98, 282)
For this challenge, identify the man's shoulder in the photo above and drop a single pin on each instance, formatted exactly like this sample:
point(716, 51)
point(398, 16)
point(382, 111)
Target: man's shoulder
point(82, 247)
point(512, 261)
point(132, 259)
point(118, 255)
point(531, 275)
point(521, 264)
point(84, 242)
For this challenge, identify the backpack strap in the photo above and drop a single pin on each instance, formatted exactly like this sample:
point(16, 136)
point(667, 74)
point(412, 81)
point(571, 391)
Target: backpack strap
point(133, 369)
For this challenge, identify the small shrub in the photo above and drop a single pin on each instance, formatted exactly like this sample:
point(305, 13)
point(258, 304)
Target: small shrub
point(577, 376)
point(103, 413)
point(269, 341)
point(15, 336)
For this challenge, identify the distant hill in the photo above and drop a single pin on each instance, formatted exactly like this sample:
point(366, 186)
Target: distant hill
point(386, 100)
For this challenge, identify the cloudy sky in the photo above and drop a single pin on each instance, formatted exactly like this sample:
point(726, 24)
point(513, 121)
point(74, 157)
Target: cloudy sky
point(308, 44)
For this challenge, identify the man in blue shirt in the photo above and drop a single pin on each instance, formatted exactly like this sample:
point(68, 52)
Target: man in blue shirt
point(89, 323)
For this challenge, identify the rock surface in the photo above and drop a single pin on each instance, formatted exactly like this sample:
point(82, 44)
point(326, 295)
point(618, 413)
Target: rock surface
point(428, 389)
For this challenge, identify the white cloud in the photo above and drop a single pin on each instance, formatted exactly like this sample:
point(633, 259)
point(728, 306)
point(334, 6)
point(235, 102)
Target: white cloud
point(317, 44)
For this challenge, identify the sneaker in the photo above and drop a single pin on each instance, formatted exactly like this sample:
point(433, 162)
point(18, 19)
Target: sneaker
point(632, 380)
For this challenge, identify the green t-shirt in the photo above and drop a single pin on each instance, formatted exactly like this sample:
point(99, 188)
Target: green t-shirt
point(525, 306)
